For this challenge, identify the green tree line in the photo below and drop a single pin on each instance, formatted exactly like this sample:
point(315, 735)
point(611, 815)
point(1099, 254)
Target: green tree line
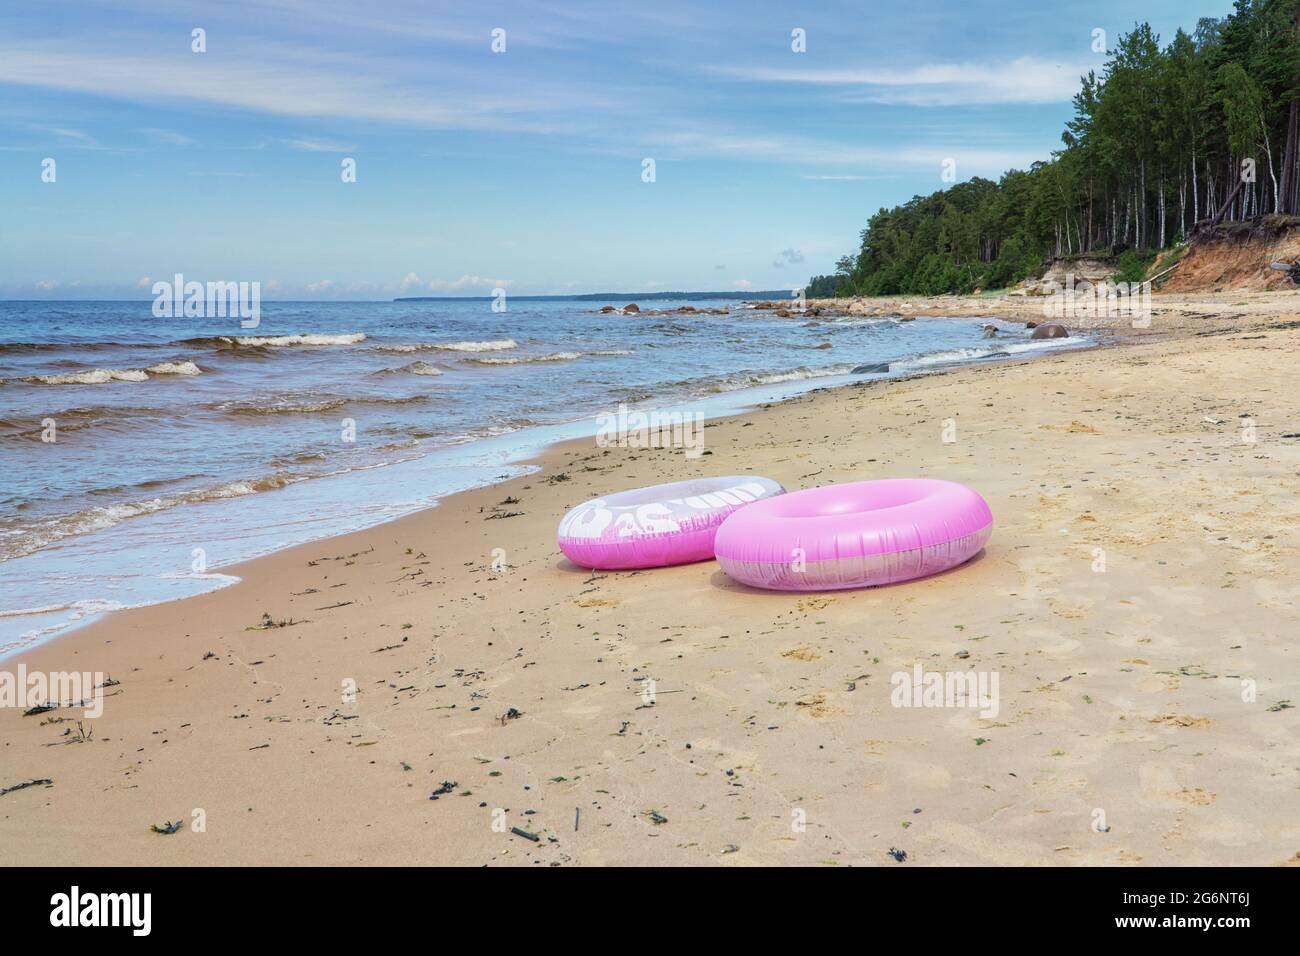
point(1205, 128)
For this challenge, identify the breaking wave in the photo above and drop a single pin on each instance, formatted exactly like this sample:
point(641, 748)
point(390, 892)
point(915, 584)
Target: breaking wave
point(416, 368)
point(42, 534)
point(278, 341)
point(529, 359)
point(292, 405)
point(102, 376)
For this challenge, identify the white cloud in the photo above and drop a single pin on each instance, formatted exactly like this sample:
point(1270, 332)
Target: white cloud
point(47, 285)
point(324, 285)
point(743, 284)
point(410, 280)
point(1026, 79)
point(467, 282)
point(144, 283)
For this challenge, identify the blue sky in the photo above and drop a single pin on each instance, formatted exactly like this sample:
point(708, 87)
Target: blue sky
point(521, 169)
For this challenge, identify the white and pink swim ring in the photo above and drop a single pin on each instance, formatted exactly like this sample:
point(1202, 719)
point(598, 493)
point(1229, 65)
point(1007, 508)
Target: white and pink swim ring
point(861, 534)
point(657, 526)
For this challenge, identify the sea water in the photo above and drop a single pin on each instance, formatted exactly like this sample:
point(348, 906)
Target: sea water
point(141, 455)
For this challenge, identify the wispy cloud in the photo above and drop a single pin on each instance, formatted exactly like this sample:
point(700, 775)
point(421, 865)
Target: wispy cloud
point(1026, 79)
point(806, 151)
point(847, 178)
point(298, 81)
point(73, 134)
point(166, 137)
point(312, 145)
point(72, 138)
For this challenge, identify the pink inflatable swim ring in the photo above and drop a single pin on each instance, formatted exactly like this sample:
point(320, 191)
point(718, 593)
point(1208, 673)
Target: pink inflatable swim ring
point(657, 526)
point(856, 535)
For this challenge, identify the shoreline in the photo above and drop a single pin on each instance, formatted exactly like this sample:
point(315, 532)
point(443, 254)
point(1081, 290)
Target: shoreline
point(1120, 690)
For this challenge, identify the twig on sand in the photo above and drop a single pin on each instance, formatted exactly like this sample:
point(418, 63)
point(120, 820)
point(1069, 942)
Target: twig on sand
point(269, 623)
point(40, 782)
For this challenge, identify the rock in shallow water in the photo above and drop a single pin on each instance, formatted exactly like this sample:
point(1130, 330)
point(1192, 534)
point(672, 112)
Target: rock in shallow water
point(1050, 332)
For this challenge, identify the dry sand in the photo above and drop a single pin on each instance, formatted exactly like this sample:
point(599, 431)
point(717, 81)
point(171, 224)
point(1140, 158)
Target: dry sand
point(1121, 691)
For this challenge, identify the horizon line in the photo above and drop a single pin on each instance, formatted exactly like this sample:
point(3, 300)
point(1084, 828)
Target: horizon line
point(756, 293)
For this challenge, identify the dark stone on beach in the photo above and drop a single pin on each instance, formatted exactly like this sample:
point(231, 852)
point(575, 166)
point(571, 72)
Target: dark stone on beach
point(870, 369)
point(1050, 332)
point(782, 313)
point(631, 307)
point(1031, 325)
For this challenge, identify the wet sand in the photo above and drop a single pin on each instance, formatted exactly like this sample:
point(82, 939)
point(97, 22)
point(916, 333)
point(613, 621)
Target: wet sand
point(1143, 569)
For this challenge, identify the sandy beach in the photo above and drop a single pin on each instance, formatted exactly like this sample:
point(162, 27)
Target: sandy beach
point(1136, 601)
